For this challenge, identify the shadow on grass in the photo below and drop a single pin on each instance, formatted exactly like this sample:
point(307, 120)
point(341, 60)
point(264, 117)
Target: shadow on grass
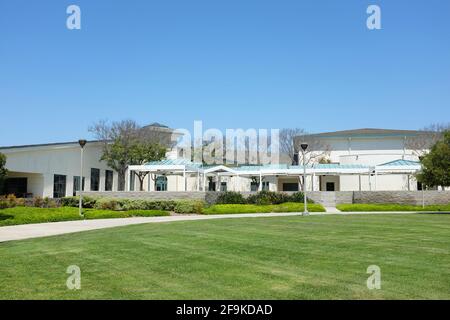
point(5, 216)
point(435, 212)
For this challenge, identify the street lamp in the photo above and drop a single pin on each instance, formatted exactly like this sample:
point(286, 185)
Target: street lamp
point(304, 146)
point(82, 143)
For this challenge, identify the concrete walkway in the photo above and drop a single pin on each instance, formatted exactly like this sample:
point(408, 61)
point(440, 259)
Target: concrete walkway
point(28, 231)
point(332, 210)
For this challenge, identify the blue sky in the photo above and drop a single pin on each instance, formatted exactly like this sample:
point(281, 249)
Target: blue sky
point(232, 64)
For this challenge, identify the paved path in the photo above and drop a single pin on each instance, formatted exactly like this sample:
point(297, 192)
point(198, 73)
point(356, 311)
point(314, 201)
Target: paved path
point(332, 210)
point(28, 231)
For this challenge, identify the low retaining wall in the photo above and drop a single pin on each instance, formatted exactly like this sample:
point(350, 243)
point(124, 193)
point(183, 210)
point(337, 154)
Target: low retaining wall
point(339, 197)
point(402, 197)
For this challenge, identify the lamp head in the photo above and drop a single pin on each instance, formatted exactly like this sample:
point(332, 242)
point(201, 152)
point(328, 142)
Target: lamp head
point(304, 146)
point(82, 143)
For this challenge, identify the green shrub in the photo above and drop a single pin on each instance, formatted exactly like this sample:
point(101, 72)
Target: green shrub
point(20, 202)
point(231, 197)
point(185, 206)
point(11, 200)
point(189, 207)
point(107, 204)
point(38, 202)
point(49, 203)
point(267, 197)
point(3, 204)
point(88, 202)
point(252, 208)
point(139, 204)
point(69, 201)
point(297, 197)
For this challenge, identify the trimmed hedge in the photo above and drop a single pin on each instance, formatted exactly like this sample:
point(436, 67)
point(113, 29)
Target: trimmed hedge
point(261, 198)
point(11, 201)
point(189, 207)
point(253, 208)
point(180, 206)
point(231, 197)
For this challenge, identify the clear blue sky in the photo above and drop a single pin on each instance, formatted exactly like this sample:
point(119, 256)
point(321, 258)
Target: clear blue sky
point(231, 63)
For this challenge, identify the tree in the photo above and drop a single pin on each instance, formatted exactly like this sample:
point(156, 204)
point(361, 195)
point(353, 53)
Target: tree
point(143, 152)
point(290, 140)
point(122, 139)
point(3, 171)
point(422, 142)
point(436, 164)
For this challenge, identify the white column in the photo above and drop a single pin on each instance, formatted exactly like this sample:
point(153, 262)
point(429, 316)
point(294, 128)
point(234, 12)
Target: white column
point(218, 183)
point(260, 181)
point(198, 180)
point(312, 181)
point(47, 190)
point(204, 182)
point(359, 178)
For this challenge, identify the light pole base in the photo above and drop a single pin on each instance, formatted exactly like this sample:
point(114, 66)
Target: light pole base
point(305, 213)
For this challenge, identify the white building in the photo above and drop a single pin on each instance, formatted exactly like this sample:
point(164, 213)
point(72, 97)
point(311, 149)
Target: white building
point(365, 159)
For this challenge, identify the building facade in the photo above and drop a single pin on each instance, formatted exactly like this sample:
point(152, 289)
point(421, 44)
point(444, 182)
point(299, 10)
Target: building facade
point(356, 160)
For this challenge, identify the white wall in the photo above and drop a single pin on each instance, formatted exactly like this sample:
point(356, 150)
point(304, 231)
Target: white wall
point(371, 151)
point(46, 161)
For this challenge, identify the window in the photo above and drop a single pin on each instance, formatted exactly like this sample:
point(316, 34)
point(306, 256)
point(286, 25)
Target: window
point(109, 176)
point(59, 186)
point(76, 185)
point(16, 186)
point(223, 186)
point(161, 183)
point(330, 186)
point(419, 186)
point(254, 186)
point(132, 180)
point(95, 179)
point(290, 186)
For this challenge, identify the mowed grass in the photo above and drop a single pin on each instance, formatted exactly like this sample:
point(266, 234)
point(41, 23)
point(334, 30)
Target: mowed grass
point(27, 215)
point(391, 208)
point(315, 257)
point(253, 208)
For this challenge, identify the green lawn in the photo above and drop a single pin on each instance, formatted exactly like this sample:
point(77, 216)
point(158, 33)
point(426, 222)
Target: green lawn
point(391, 207)
point(26, 215)
point(316, 257)
point(253, 208)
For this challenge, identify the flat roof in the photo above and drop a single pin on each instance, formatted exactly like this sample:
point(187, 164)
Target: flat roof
point(45, 145)
point(372, 132)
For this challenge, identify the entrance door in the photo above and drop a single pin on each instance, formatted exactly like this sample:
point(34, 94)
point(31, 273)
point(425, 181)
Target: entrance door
point(331, 186)
point(161, 183)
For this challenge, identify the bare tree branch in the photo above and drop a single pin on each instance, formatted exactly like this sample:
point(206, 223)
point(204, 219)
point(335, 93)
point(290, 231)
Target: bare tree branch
point(421, 143)
point(290, 140)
